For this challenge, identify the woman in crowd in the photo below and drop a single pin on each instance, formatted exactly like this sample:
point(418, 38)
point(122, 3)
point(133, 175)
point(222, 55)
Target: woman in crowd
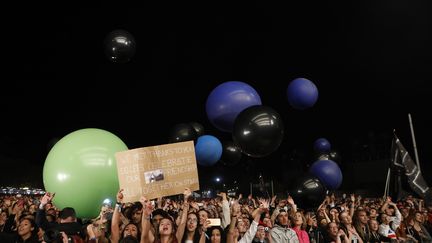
point(299, 226)
point(192, 233)
point(348, 228)
point(27, 232)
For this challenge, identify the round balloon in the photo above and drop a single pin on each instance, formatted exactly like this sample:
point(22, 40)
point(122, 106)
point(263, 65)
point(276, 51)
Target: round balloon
point(182, 132)
point(302, 93)
point(208, 150)
point(231, 154)
point(227, 100)
point(120, 46)
point(81, 169)
point(258, 131)
point(199, 129)
point(328, 172)
point(308, 192)
point(322, 145)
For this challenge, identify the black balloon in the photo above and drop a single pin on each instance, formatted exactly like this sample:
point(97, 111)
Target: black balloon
point(120, 46)
point(258, 131)
point(308, 192)
point(199, 129)
point(231, 154)
point(182, 132)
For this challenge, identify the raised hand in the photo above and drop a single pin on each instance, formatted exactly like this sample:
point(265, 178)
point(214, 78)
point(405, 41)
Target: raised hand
point(235, 209)
point(147, 206)
point(264, 205)
point(187, 193)
point(120, 196)
point(290, 200)
point(205, 225)
point(47, 198)
point(224, 196)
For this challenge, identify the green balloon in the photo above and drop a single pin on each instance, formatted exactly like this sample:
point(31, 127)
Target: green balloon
point(82, 170)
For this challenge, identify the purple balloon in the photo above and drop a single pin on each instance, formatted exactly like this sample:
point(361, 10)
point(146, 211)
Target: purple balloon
point(302, 93)
point(227, 100)
point(322, 145)
point(328, 172)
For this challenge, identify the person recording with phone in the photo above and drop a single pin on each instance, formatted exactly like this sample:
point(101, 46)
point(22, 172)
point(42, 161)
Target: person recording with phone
point(261, 234)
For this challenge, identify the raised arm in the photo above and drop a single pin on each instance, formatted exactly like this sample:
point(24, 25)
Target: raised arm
point(226, 220)
point(256, 214)
point(115, 221)
point(146, 235)
point(235, 212)
point(182, 226)
point(41, 220)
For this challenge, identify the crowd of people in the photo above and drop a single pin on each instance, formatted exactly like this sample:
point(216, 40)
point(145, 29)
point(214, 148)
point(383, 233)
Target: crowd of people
point(344, 219)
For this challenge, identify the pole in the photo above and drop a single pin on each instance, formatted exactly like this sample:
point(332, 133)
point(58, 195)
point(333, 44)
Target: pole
point(387, 185)
point(414, 142)
point(251, 188)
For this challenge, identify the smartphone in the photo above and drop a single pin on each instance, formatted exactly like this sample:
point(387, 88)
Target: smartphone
point(214, 222)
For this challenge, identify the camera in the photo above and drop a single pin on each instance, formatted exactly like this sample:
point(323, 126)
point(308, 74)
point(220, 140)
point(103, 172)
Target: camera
point(55, 236)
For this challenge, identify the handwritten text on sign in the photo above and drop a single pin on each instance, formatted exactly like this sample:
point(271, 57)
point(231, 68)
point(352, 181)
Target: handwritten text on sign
point(157, 171)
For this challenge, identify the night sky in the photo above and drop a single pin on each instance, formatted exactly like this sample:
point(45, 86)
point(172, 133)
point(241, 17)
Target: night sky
point(370, 62)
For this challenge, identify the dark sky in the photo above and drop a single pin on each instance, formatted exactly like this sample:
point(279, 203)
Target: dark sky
point(370, 62)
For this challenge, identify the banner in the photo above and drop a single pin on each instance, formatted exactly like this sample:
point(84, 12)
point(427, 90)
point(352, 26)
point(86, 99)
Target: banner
point(401, 158)
point(157, 171)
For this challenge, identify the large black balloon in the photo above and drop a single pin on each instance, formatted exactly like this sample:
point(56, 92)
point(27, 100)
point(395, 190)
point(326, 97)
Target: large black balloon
point(199, 129)
point(231, 153)
point(120, 46)
point(258, 131)
point(308, 192)
point(182, 132)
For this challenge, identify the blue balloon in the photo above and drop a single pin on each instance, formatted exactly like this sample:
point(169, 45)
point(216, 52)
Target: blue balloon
point(208, 150)
point(302, 93)
point(322, 145)
point(227, 100)
point(328, 172)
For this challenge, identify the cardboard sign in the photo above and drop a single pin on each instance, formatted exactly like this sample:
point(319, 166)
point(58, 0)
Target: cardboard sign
point(157, 171)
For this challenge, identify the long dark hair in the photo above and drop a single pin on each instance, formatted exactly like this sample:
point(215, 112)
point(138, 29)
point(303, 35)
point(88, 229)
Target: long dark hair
point(197, 235)
point(138, 231)
point(221, 230)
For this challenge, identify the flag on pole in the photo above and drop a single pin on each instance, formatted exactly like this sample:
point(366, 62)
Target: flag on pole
point(400, 158)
